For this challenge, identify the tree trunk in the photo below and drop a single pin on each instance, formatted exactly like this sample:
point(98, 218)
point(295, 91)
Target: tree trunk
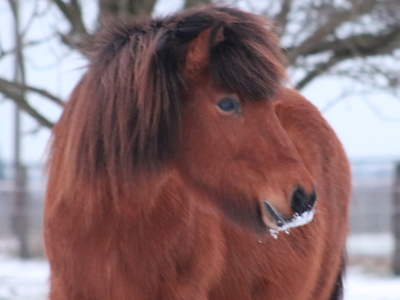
point(192, 3)
point(20, 213)
point(124, 8)
point(396, 221)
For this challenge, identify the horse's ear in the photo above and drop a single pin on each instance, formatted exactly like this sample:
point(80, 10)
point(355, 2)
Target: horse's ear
point(198, 52)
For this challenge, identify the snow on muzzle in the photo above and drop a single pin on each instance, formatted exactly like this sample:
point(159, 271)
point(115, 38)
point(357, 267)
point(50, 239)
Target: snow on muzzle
point(302, 205)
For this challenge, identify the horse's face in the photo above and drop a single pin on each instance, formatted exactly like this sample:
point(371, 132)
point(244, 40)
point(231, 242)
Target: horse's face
point(235, 150)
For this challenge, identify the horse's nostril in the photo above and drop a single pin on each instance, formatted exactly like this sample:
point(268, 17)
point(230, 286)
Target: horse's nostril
point(301, 201)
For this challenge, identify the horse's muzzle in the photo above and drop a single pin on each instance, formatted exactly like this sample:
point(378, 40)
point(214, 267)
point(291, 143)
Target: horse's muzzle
point(302, 205)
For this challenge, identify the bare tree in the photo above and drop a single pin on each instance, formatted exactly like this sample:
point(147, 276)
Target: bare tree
point(348, 38)
point(329, 35)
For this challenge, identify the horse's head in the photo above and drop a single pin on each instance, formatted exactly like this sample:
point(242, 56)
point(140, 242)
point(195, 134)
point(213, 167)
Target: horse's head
point(233, 147)
point(193, 92)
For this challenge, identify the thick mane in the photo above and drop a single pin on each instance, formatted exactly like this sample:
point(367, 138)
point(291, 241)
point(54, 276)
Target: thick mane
point(125, 112)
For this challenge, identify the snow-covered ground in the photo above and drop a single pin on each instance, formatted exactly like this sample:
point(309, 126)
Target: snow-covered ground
point(27, 280)
point(363, 287)
point(23, 280)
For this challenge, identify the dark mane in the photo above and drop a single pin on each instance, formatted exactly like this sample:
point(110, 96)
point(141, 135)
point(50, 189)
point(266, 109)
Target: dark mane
point(129, 100)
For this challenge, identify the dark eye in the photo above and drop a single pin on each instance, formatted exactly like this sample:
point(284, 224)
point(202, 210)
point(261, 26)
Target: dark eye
point(229, 105)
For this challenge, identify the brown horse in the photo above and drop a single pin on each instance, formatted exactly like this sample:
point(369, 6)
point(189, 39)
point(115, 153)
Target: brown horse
point(178, 155)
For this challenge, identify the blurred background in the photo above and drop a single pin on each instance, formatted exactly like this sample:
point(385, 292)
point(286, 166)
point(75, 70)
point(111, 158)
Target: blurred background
point(343, 55)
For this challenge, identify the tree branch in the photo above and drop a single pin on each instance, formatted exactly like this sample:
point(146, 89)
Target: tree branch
point(192, 3)
point(281, 18)
point(10, 86)
point(318, 70)
point(364, 45)
point(73, 14)
point(4, 53)
point(78, 35)
point(125, 8)
point(361, 45)
point(13, 92)
point(341, 16)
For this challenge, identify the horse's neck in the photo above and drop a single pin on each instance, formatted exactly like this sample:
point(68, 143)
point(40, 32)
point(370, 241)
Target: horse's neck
point(153, 197)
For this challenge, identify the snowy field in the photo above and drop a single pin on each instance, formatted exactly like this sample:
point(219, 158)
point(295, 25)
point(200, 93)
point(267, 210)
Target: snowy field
point(23, 280)
point(27, 280)
point(363, 287)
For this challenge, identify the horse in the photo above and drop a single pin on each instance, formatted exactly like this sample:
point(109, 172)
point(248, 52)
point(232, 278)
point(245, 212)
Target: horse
point(184, 167)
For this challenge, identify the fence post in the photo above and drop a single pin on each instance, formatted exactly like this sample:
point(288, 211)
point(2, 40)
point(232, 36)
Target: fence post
point(2, 170)
point(20, 222)
point(396, 221)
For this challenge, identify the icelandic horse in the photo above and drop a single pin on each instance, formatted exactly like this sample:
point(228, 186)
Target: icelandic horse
point(180, 161)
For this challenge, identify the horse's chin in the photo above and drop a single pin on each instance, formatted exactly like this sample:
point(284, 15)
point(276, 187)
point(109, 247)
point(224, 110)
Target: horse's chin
point(278, 222)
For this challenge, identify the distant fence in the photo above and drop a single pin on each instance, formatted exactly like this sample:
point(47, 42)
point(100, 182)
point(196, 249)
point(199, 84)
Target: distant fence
point(35, 188)
point(371, 207)
point(370, 212)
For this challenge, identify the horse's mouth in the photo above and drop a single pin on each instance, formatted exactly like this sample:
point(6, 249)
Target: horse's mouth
point(276, 221)
point(273, 218)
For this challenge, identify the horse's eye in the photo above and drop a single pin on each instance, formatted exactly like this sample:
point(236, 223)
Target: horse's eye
point(229, 105)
